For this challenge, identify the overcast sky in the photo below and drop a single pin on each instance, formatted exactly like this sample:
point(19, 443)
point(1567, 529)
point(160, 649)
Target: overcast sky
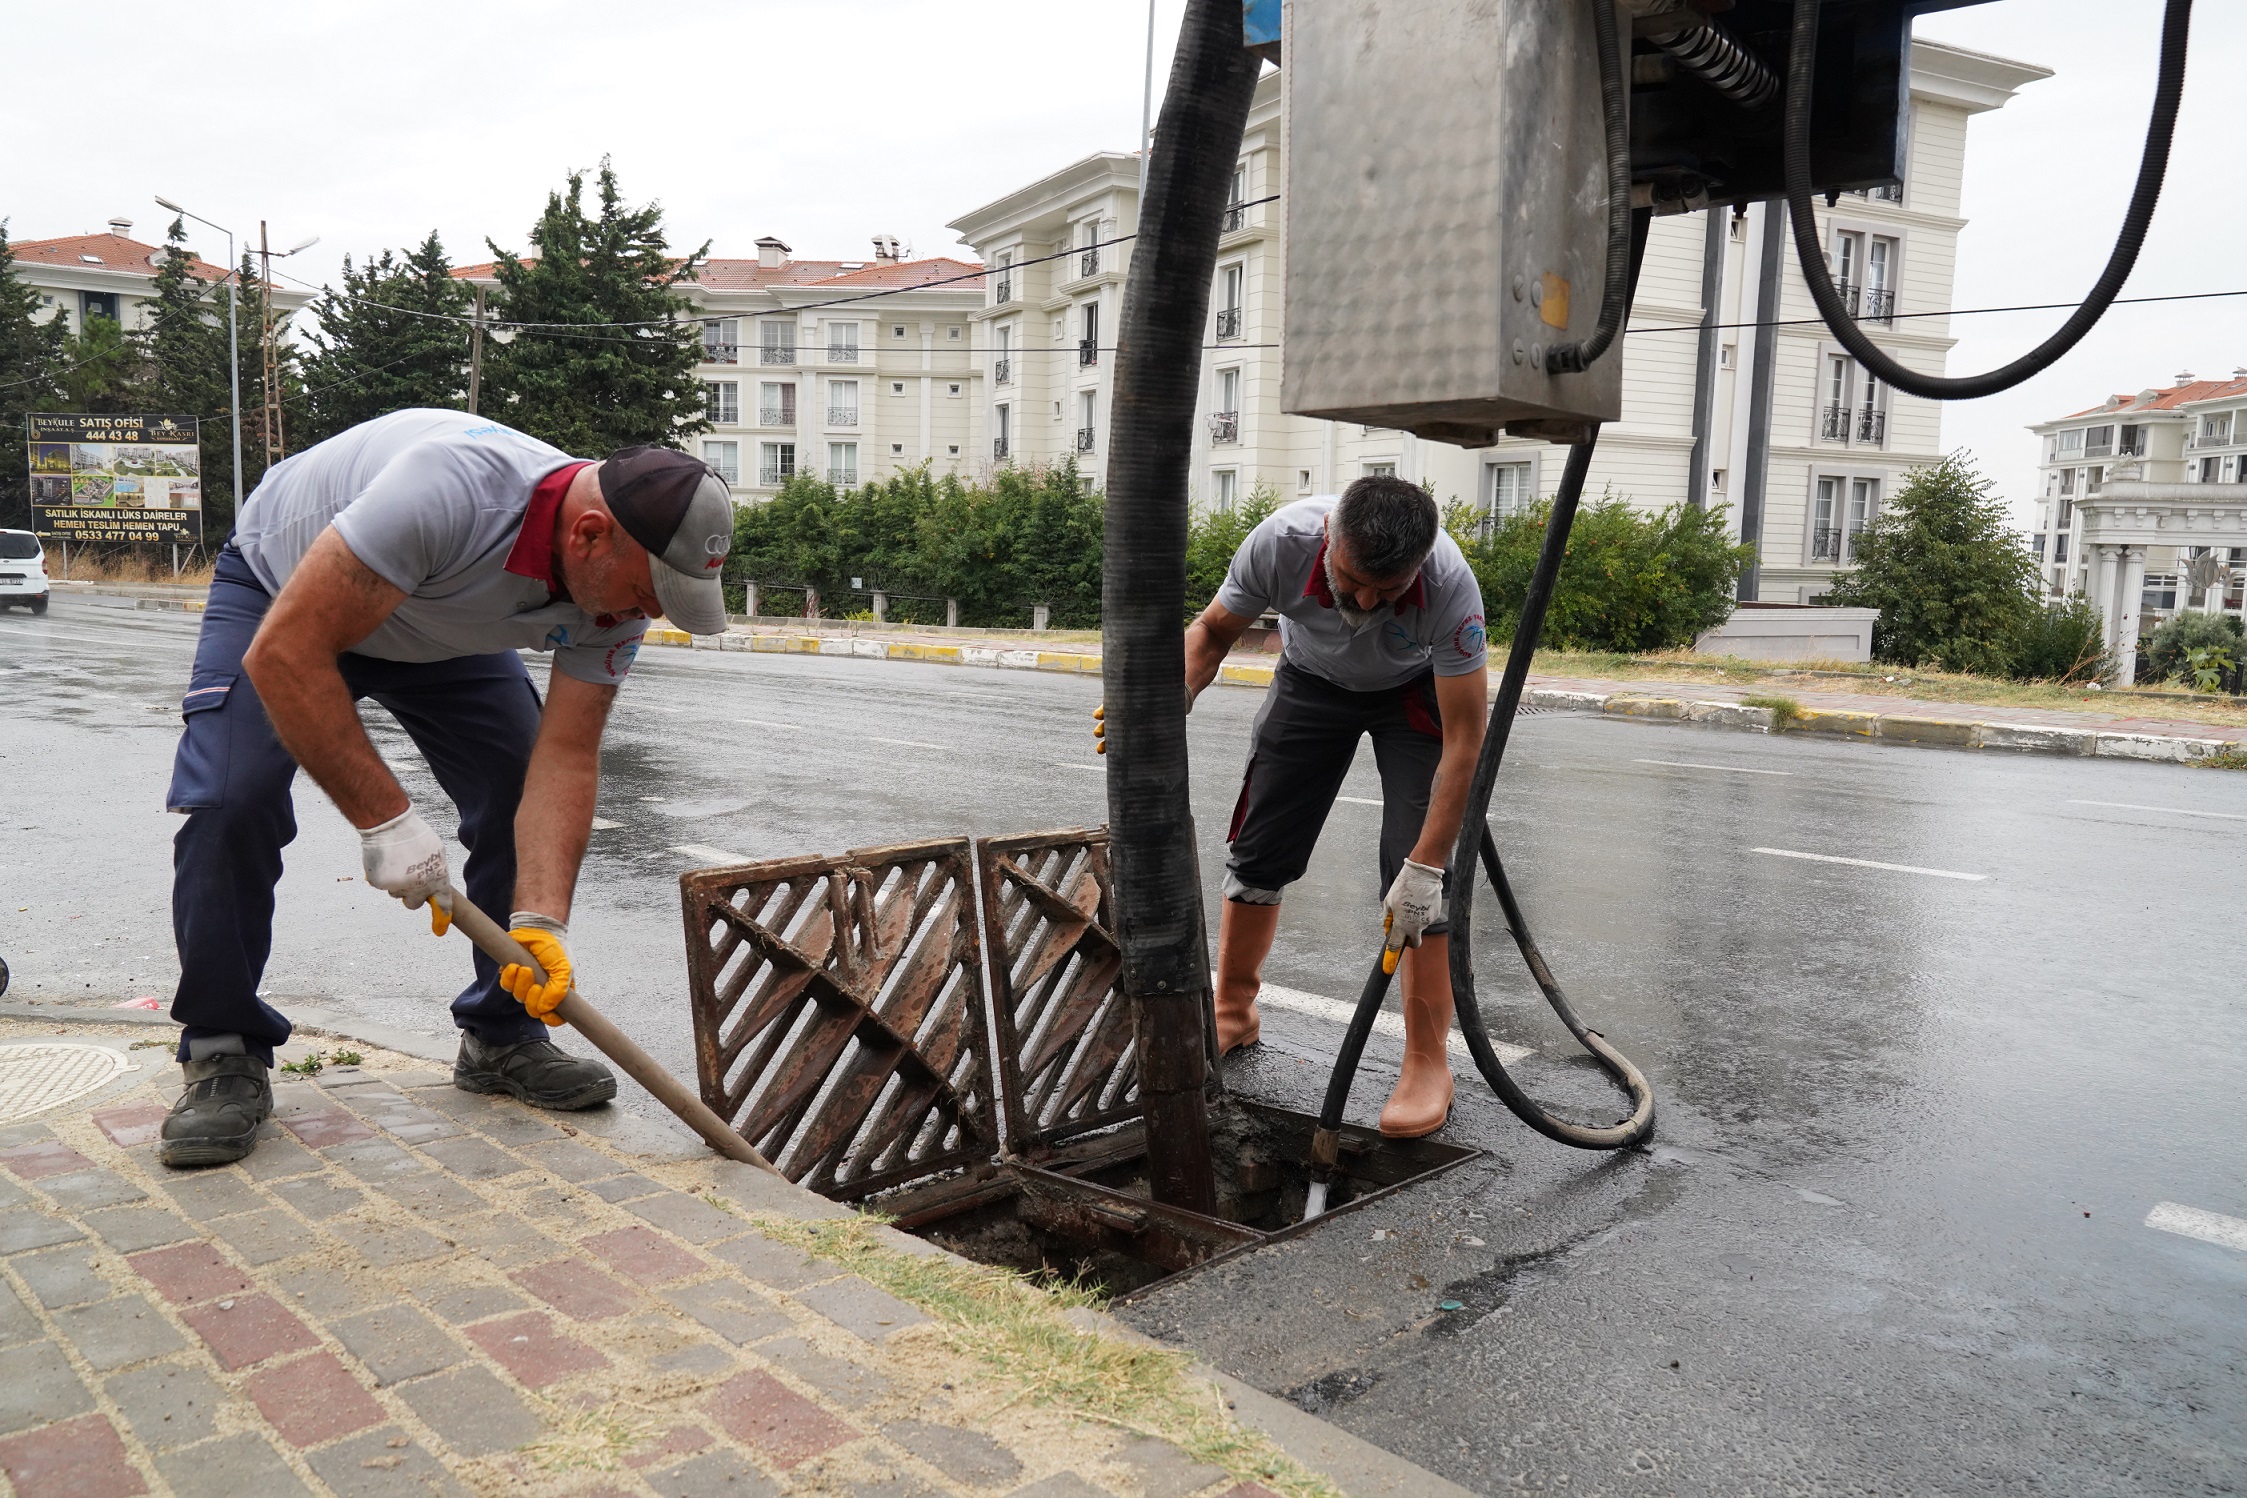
point(829, 121)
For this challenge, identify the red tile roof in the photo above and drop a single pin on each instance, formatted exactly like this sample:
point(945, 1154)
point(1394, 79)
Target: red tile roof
point(114, 251)
point(2167, 400)
point(749, 275)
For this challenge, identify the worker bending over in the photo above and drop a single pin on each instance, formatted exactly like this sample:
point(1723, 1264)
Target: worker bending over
point(407, 560)
point(1381, 634)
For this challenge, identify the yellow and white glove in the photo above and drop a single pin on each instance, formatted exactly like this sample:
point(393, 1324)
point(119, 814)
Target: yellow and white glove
point(404, 858)
point(547, 940)
point(1414, 903)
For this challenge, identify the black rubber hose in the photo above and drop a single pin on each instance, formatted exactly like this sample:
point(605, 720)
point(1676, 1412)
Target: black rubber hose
point(1615, 110)
point(1157, 872)
point(1345, 1071)
point(1720, 62)
point(2168, 92)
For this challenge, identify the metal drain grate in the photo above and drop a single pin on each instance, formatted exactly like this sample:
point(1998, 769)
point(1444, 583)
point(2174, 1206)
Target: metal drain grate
point(47, 1074)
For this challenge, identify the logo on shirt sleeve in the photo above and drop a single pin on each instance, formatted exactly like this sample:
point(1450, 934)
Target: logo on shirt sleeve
point(1467, 639)
point(619, 659)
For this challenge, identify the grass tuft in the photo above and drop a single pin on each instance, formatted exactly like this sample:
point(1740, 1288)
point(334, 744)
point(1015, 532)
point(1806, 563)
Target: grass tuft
point(1020, 1333)
point(2223, 759)
point(1785, 711)
point(586, 1441)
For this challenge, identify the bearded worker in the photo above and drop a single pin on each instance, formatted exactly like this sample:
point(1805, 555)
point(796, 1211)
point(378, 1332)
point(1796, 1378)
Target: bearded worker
point(407, 560)
point(1381, 634)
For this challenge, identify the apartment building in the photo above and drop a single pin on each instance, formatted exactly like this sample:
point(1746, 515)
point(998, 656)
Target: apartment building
point(108, 275)
point(1784, 428)
point(851, 369)
point(2192, 433)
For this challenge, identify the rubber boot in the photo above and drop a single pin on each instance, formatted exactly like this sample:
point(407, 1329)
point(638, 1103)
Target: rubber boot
point(1244, 939)
point(1422, 1100)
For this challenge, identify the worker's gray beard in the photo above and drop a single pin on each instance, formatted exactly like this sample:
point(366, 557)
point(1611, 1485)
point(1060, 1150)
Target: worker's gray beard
point(1352, 615)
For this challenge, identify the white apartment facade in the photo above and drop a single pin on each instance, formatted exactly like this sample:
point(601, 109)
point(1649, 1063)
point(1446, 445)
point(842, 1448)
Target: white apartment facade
point(852, 370)
point(1804, 467)
point(109, 275)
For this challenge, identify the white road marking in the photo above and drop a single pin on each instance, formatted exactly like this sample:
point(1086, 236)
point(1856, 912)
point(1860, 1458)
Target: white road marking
point(1387, 1022)
point(1361, 800)
point(2175, 811)
point(1867, 863)
point(767, 723)
point(2193, 1222)
point(1065, 765)
point(1686, 764)
point(603, 824)
point(906, 743)
point(704, 850)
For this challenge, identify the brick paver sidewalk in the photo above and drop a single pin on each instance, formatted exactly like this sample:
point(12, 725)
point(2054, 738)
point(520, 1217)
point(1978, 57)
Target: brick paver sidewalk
point(408, 1290)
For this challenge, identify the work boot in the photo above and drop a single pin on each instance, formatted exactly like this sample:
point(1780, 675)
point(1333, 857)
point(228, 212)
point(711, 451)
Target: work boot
point(537, 1072)
point(1422, 1100)
point(215, 1121)
point(1244, 939)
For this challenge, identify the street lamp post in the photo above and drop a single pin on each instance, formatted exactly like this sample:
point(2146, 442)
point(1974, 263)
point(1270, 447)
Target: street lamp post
point(233, 352)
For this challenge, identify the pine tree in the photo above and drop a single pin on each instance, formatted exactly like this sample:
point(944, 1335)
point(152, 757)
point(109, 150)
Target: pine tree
point(629, 377)
point(32, 360)
point(389, 340)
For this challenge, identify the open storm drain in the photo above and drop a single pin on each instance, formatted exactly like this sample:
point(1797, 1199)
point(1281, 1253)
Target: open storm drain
point(848, 1025)
point(47, 1074)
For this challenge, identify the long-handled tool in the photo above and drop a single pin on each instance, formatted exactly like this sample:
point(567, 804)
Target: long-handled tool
point(493, 941)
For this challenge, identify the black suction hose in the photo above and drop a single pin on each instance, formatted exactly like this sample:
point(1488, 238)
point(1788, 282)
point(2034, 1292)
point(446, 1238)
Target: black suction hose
point(2168, 91)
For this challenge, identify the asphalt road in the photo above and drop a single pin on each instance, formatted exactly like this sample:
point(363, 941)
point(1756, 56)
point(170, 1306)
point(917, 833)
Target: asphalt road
point(1893, 1237)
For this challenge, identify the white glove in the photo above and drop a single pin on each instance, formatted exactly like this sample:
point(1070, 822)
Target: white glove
point(1414, 903)
point(403, 857)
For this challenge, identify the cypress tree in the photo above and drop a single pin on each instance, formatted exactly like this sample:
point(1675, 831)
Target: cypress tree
point(389, 340)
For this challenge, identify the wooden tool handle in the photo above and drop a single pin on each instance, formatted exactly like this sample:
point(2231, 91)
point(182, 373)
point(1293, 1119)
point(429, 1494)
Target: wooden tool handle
point(493, 941)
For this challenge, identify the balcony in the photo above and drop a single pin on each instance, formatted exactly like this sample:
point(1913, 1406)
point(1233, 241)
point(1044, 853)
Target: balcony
point(721, 353)
point(842, 416)
point(770, 477)
point(998, 449)
point(1825, 543)
point(777, 353)
point(1002, 371)
point(1236, 217)
point(777, 416)
point(1088, 352)
point(1088, 264)
point(1002, 292)
point(1872, 425)
point(842, 353)
point(1084, 439)
point(1228, 323)
point(1880, 304)
point(1835, 426)
point(1224, 426)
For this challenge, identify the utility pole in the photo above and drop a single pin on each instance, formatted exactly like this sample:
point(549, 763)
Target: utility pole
point(476, 353)
point(271, 348)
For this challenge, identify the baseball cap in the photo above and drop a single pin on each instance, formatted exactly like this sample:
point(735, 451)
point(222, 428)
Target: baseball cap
point(681, 511)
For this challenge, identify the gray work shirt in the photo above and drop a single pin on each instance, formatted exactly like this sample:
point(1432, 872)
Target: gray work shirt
point(433, 503)
point(1281, 567)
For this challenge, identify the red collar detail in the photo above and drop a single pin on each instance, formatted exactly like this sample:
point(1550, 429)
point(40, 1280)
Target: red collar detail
point(1415, 597)
point(533, 553)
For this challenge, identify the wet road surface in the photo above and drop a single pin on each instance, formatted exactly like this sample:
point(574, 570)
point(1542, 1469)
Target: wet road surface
point(1892, 1237)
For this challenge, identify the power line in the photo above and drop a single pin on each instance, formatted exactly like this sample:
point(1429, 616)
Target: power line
point(1804, 322)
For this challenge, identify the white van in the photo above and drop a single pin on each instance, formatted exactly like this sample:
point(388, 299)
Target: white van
point(23, 571)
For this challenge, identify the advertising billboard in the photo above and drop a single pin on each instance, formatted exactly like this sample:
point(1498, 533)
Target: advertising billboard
point(99, 479)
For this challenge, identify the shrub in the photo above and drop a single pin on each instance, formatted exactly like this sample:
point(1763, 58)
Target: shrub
point(1952, 580)
point(1214, 535)
point(2062, 641)
point(2171, 646)
point(1785, 711)
point(1630, 581)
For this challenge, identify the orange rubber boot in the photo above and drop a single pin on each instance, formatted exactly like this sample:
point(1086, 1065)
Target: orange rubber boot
point(1422, 1100)
point(1244, 939)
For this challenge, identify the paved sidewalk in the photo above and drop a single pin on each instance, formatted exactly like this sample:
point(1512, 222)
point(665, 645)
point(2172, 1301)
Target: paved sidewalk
point(408, 1289)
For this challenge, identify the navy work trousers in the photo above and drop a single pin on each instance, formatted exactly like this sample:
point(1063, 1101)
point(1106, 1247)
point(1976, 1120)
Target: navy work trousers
point(474, 720)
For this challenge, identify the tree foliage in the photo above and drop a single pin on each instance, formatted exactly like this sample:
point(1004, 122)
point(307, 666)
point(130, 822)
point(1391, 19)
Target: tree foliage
point(1954, 583)
point(2169, 649)
point(1630, 580)
point(389, 340)
point(2062, 640)
point(629, 377)
point(1212, 536)
point(1029, 536)
point(33, 362)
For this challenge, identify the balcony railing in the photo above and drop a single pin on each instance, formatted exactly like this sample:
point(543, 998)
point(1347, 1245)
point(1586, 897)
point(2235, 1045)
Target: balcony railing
point(1088, 264)
point(769, 477)
point(1003, 292)
point(843, 478)
point(1872, 425)
point(1825, 543)
point(1847, 291)
point(777, 416)
point(1236, 215)
point(1228, 323)
point(1880, 304)
point(730, 472)
point(1002, 371)
point(998, 448)
point(722, 414)
point(1892, 193)
point(1224, 426)
point(1088, 352)
point(1084, 439)
point(842, 353)
point(842, 416)
point(777, 353)
point(721, 353)
point(1835, 426)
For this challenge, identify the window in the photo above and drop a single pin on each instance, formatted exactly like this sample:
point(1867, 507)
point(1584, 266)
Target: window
point(953, 449)
point(1302, 480)
point(1846, 261)
point(1840, 510)
point(1002, 288)
point(2133, 443)
point(1230, 281)
point(2209, 469)
point(776, 342)
point(1738, 228)
point(897, 387)
point(897, 449)
point(721, 340)
point(1864, 500)
point(1001, 443)
point(1088, 252)
point(777, 464)
point(776, 405)
point(722, 402)
point(2071, 443)
point(1236, 216)
point(2160, 595)
point(1384, 469)
point(1880, 279)
point(2060, 548)
point(1225, 415)
point(1507, 488)
point(2098, 441)
point(2067, 514)
point(953, 389)
point(1716, 480)
point(953, 334)
point(1224, 488)
point(2094, 479)
point(842, 403)
point(1833, 425)
point(1088, 407)
point(2067, 481)
point(2215, 431)
point(1088, 335)
point(1002, 359)
point(725, 457)
point(1726, 355)
point(897, 330)
point(842, 464)
point(842, 343)
point(2036, 544)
